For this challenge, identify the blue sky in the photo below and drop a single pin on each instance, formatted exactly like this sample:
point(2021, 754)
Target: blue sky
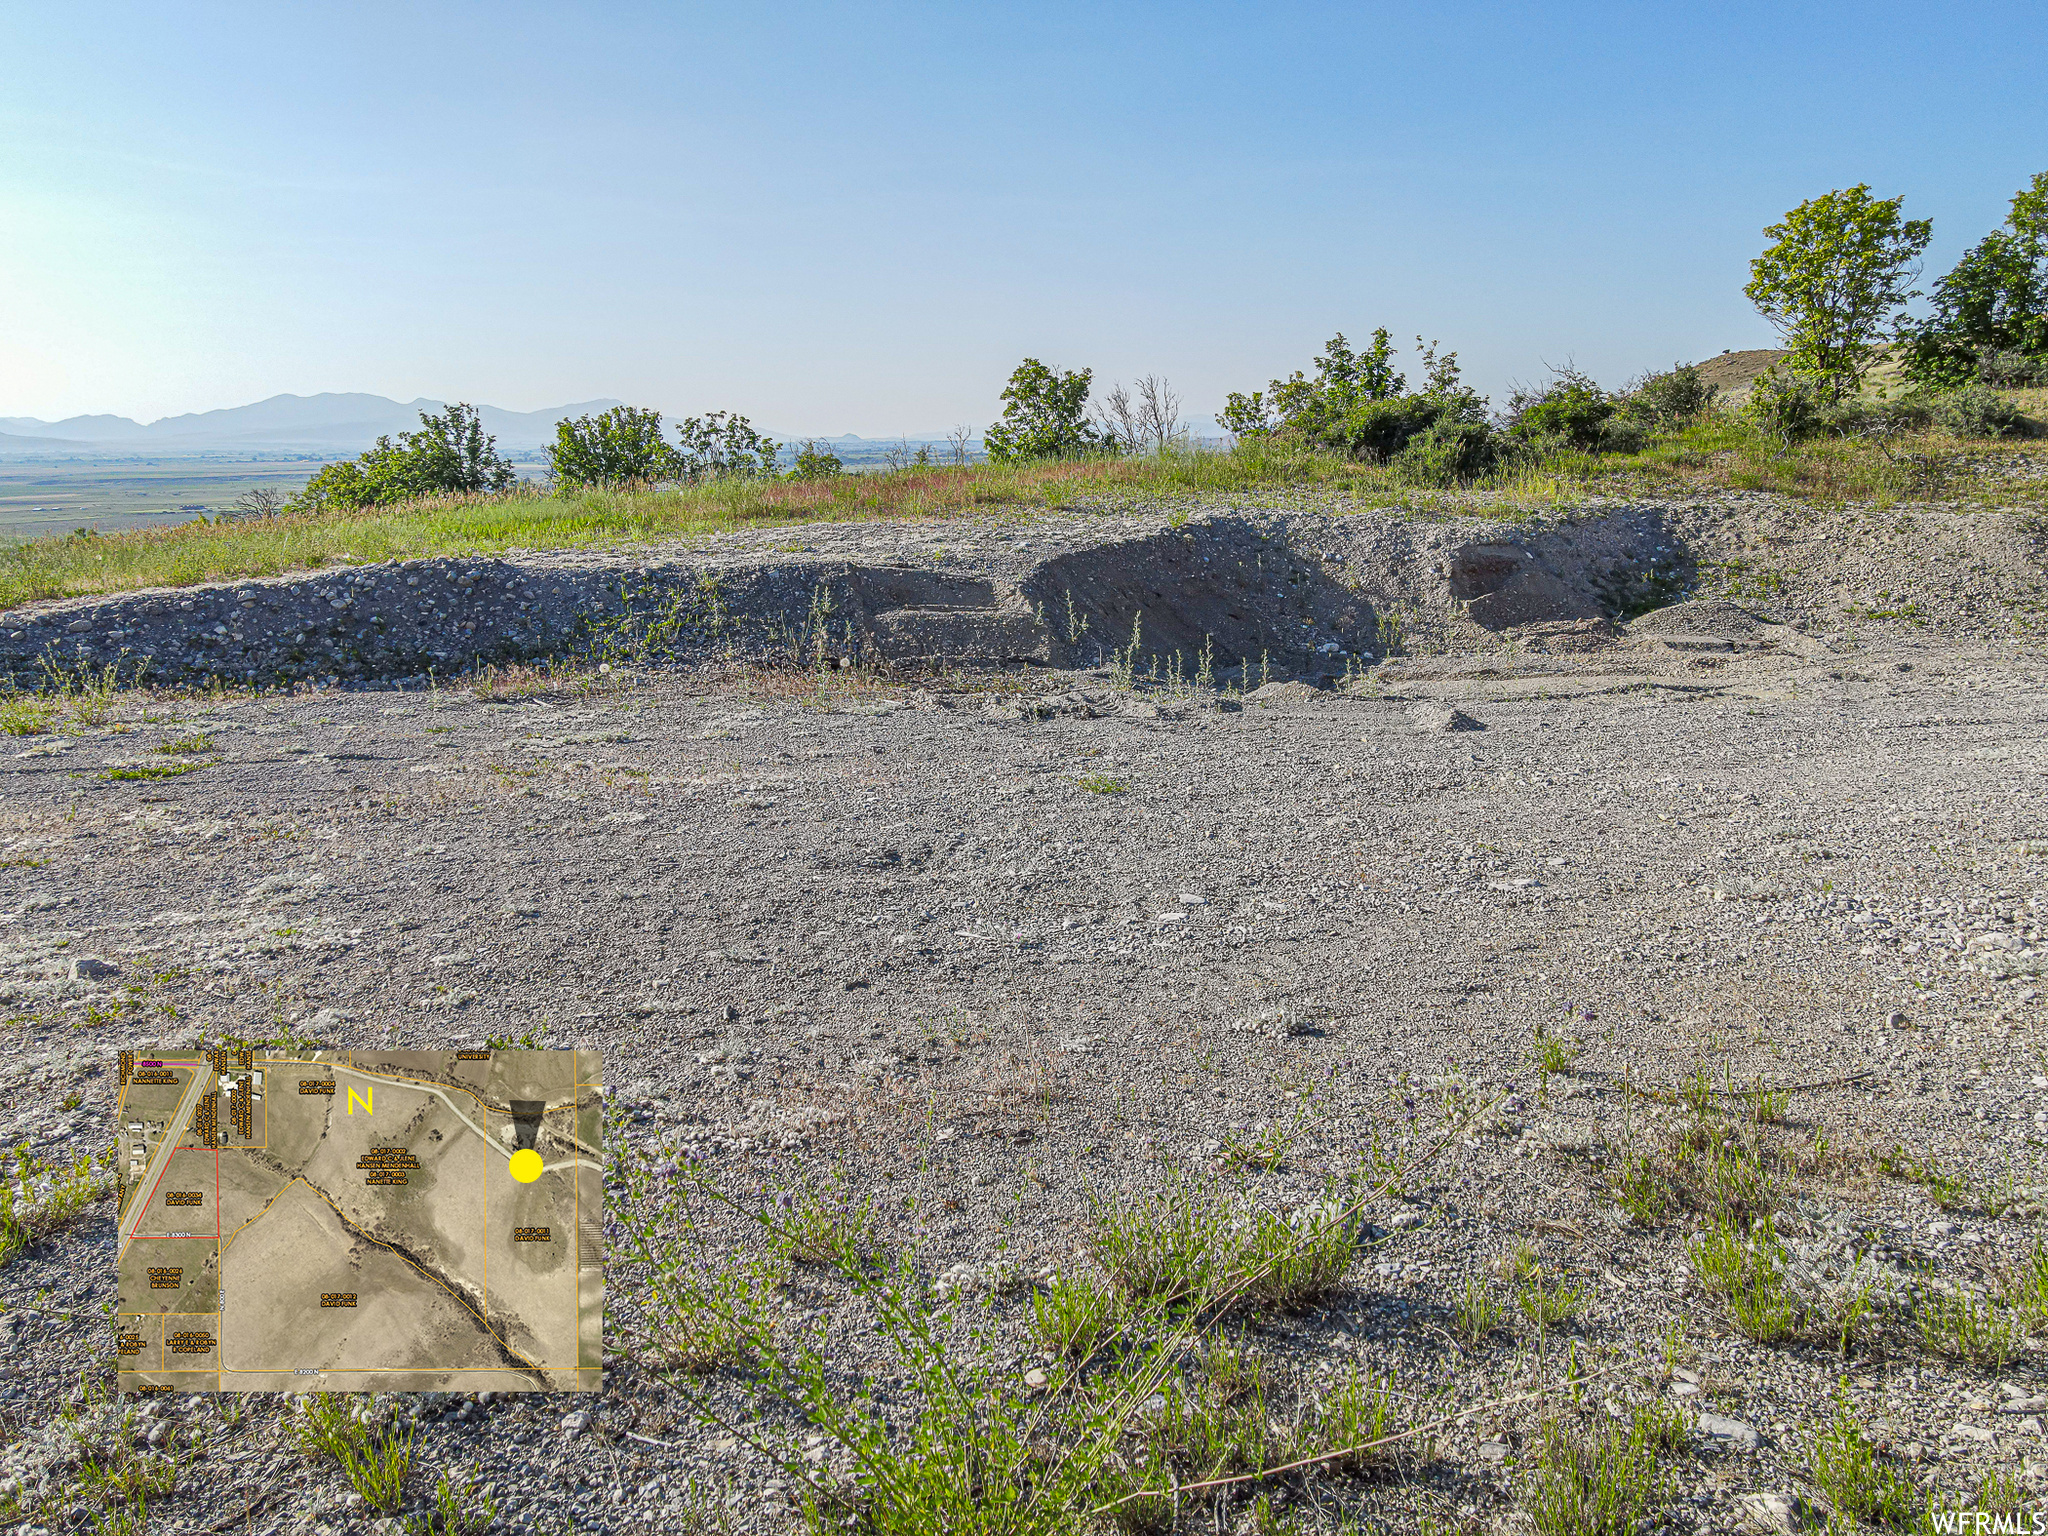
point(858, 218)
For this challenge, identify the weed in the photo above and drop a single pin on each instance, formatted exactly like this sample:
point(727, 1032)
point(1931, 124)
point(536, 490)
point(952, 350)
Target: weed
point(188, 746)
point(156, 770)
point(1950, 1191)
point(26, 714)
point(1970, 1328)
point(1554, 1053)
point(811, 1226)
point(374, 1460)
point(1479, 1312)
point(1355, 1418)
point(1641, 1190)
point(38, 1197)
point(1767, 1106)
point(2026, 1287)
point(465, 1511)
point(1602, 1482)
point(1549, 1304)
point(1074, 1315)
point(1101, 784)
point(1745, 1269)
point(1859, 1483)
point(528, 1041)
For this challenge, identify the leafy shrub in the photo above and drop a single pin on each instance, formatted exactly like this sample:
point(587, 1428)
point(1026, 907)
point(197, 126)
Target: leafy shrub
point(2012, 370)
point(620, 446)
point(1975, 411)
point(1377, 430)
point(1446, 451)
point(721, 444)
point(1671, 398)
point(1358, 405)
point(1994, 301)
point(815, 461)
point(450, 453)
point(1045, 416)
point(1571, 409)
point(1787, 408)
point(1344, 380)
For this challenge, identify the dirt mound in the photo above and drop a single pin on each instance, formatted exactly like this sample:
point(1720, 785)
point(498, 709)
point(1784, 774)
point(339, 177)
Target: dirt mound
point(1733, 372)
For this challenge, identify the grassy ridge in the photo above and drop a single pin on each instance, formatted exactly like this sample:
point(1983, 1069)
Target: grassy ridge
point(1717, 454)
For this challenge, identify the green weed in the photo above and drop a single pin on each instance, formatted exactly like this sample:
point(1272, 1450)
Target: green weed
point(1601, 1482)
point(156, 771)
point(812, 1225)
point(1479, 1312)
point(464, 1511)
point(1858, 1482)
point(1101, 784)
point(1745, 1269)
point(27, 714)
point(1970, 1328)
point(1074, 1316)
point(188, 746)
point(40, 1196)
point(376, 1461)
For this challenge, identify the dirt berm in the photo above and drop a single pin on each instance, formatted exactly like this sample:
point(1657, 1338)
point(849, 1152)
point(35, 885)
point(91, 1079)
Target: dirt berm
point(1294, 590)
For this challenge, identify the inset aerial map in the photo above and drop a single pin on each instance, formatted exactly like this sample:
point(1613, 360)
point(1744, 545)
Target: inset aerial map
point(361, 1221)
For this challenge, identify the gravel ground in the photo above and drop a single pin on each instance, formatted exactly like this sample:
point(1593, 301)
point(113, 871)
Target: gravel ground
point(988, 949)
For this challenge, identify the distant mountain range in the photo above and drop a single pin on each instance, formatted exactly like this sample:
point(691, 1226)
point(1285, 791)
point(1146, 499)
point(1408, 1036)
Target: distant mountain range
point(331, 424)
point(338, 426)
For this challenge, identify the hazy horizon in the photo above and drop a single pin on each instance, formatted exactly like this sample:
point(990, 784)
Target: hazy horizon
point(864, 219)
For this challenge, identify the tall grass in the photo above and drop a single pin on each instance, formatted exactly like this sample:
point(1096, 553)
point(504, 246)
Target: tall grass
point(1718, 452)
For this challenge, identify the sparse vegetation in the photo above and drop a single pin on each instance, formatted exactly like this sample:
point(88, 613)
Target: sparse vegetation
point(1602, 1481)
point(375, 1458)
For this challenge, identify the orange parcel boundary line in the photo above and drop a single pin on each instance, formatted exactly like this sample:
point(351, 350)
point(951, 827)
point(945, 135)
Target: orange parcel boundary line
point(341, 1216)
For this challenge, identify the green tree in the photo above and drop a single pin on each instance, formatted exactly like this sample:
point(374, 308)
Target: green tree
point(720, 443)
point(816, 461)
point(1344, 379)
point(450, 454)
point(1838, 268)
point(1045, 416)
point(1994, 300)
point(620, 446)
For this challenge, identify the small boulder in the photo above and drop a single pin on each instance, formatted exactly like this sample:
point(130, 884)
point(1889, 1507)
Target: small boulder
point(93, 968)
point(1777, 1514)
point(1433, 719)
point(1728, 1431)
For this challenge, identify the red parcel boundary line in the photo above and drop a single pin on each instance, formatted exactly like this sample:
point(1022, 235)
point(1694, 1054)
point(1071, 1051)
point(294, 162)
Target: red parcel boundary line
point(137, 1235)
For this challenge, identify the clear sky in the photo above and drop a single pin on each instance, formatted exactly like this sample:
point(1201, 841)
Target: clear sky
point(840, 217)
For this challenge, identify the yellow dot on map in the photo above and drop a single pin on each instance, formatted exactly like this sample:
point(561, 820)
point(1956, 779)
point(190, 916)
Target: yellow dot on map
point(526, 1165)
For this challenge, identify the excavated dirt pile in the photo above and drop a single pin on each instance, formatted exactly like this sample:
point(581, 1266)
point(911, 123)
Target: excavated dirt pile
point(1295, 591)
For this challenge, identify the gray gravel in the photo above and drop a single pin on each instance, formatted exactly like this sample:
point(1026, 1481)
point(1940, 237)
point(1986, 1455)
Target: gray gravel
point(881, 927)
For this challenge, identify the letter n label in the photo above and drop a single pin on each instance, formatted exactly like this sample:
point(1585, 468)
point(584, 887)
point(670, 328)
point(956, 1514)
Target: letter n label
point(362, 1098)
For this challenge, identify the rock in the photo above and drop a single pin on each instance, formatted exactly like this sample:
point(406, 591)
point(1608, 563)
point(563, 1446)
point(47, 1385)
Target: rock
point(2035, 1404)
point(1777, 1512)
point(1034, 1379)
point(1283, 693)
point(93, 968)
point(1731, 1431)
point(1406, 1221)
point(575, 1423)
point(1493, 1450)
point(1429, 719)
point(1982, 1436)
point(327, 1018)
